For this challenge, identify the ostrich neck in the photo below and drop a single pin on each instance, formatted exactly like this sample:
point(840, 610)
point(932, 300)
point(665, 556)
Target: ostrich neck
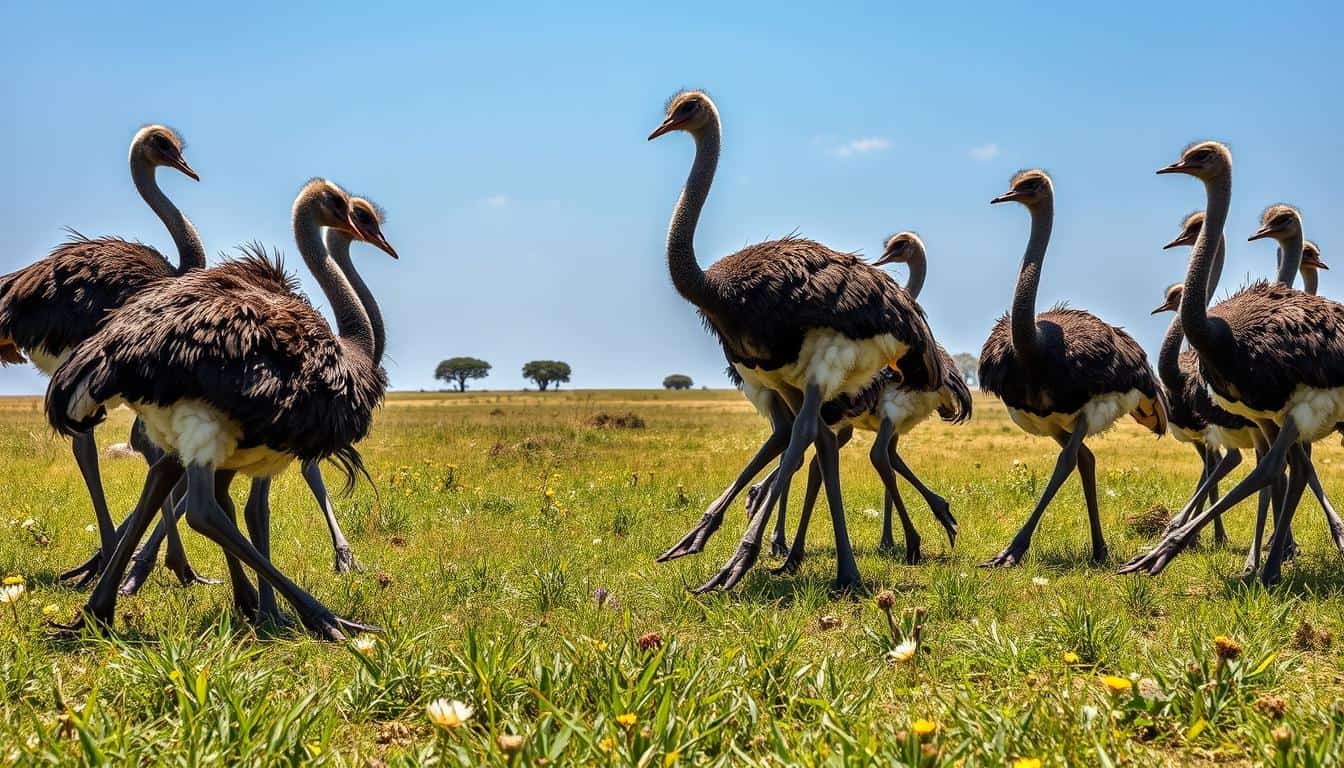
point(351, 322)
point(1290, 260)
point(1195, 294)
point(1169, 357)
point(1029, 279)
point(1309, 283)
point(338, 246)
point(1216, 269)
point(919, 268)
point(689, 280)
point(190, 251)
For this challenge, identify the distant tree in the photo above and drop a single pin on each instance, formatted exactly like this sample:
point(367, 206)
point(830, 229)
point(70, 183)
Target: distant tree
point(969, 365)
point(546, 373)
point(460, 370)
point(678, 381)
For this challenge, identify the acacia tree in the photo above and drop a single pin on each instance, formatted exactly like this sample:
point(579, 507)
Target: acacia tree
point(678, 381)
point(546, 373)
point(460, 370)
point(969, 365)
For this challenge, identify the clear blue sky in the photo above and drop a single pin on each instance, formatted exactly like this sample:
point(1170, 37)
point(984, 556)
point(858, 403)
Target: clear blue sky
point(508, 145)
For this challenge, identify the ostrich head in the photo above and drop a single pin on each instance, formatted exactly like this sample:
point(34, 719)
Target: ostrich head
point(1279, 221)
point(1190, 227)
point(160, 145)
point(900, 248)
point(686, 111)
point(1172, 302)
point(1311, 256)
point(1204, 160)
point(1030, 188)
point(367, 219)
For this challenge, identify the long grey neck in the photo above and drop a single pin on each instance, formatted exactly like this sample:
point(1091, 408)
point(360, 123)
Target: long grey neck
point(1216, 271)
point(687, 277)
point(338, 247)
point(1286, 275)
point(1290, 260)
point(190, 251)
point(1309, 278)
point(1169, 356)
point(1195, 294)
point(1029, 279)
point(351, 322)
point(919, 267)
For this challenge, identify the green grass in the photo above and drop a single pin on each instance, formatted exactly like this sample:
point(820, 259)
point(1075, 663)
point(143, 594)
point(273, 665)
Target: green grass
point(485, 586)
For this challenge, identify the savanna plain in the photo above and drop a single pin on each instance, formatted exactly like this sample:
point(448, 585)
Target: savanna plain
point(507, 546)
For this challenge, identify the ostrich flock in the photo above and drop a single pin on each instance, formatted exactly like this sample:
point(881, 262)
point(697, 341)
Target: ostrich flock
point(230, 370)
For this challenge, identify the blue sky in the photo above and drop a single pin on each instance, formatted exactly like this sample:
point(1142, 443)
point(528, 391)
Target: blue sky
point(508, 145)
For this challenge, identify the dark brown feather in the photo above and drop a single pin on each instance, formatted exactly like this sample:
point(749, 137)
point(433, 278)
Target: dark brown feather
point(1081, 358)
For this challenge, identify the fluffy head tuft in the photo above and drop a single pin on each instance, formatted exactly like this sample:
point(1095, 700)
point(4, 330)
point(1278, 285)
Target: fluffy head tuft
point(1193, 219)
point(682, 95)
point(363, 202)
point(1279, 209)
point(150, 130)
point(1030, 173)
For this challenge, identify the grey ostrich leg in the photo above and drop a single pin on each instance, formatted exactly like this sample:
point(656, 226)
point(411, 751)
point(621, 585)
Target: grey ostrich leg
point(846, 569)
point(205, 516)
point(1064, 466)
point(1283, 524)
point(942, 511)
point(805, 427)
point(781, 422)
point(85, 449)
point(1219, 531)
point(1267, 471)
point(257, 514)
point(1087, 473)
point(1332, 518)
point(344, 556)
point(102, 604)
point(779, 546)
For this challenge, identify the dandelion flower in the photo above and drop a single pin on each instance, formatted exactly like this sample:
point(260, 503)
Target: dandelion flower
point(10, 593)
point(671, 758)
point(923, 728)
point(1226, 648)
point(607, 745)
point(627, 719)
point(1070, 657)
point(1117, 685)
point(12, 580)
point(1027, 762)
point(50, 609)
point(1040, 581)
point(364, 644)
point(904, 652)
point(448, 714)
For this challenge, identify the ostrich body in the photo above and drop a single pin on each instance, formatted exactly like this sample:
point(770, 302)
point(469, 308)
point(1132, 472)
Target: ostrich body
point(796, 320)
point(1268, 353)
point(338, 246)
point(890, 408)
point(233, 372)
point(1063, 374)
point(51, 306)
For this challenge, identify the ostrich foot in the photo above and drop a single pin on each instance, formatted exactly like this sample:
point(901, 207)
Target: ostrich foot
point(345, 560)
point(733, 571)
point(82, 575)
point(1009, 557)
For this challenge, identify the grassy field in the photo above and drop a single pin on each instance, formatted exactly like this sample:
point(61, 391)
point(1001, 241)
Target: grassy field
point(497, 518)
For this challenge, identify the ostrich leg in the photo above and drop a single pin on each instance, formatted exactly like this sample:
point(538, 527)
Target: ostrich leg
point(1271, 496)
point(1211, 457)
point(1266, 472)
point(794, 554)
point(805, 427)
point(1064, 466)
point(257, 515)
point(693, 542)
point(942, 511)
point(205, 515)
point(884, 448)
point(102, 604)
point(85, 449)
point(1087, 473)
point(345, 557)
point(846, 569)
point(1283, 524)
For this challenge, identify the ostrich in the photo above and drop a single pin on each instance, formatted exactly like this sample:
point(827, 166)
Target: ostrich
point(796, 319)
point(233, 371)
point(890, 409)
point(1268, 353)
point(1063, 374)
point(49, 307)
point(1195, 418)
point(142, 563)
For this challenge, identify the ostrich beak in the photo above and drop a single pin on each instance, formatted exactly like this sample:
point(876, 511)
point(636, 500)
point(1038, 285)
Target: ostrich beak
point(1261, 233)
point(376, 239)
point(668, 126)
point(1166, 307)
point(1176, 167)
point(884, 260)
point(1178, 242)
point(181, 164)
point(1008, 196)
point(1314, 262)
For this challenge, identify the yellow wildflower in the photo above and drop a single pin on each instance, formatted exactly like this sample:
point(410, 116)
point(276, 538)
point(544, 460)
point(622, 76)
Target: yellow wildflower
point(627, 719)
point(50, 609)
point(1226, 648)
point(1070, 657)
point(606, 745)
point(12, 580)
point(1117, 685)
point(923, 728)
point(1027, 762)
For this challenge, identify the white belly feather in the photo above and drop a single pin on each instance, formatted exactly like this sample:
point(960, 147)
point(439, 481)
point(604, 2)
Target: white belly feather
point(47, 363)
point(1315, 411)
point(1101, 412)
point(837, 364)
point(201, 434)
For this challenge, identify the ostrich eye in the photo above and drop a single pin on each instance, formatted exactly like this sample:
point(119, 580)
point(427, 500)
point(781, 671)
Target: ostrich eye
point(686, 107)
